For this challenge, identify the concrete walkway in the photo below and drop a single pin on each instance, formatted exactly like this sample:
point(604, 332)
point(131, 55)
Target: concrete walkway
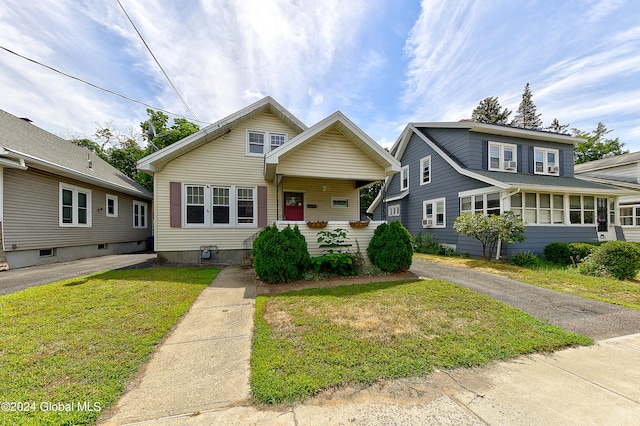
point(200, 376)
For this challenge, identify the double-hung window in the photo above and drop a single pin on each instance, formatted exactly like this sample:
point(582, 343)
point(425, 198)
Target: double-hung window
point(582, 209)
point(433, 213)
point(219, 206)
point(425, 170)
point(75, 206)
point(546, 161)
point(139, 215)
point(404, 178)
point(112, 205)
point(259, 143)
point(487, 204)
point(502, 157)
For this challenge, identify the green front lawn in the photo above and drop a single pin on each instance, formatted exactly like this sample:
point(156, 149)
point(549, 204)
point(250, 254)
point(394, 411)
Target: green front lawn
point(68, 349)
point(560, 278)
point(309, 340)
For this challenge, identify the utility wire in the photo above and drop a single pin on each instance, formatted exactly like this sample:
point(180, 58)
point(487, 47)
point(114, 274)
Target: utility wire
point(157, 62)
point(95, 86)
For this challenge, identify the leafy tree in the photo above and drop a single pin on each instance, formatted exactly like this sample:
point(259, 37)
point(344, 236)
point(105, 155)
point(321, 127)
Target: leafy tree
point(490, 111)
point(91, 146)
point(368, 194)
point(526, 116)
point(557, 127)
point(596, 146)
point(159, 135)
point(506, 227)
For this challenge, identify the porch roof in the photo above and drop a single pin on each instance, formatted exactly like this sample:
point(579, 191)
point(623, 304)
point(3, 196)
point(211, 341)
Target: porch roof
point(336, 158)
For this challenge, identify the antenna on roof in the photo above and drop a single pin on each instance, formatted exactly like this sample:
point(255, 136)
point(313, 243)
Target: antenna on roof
point(89, 162)
point(152, 134)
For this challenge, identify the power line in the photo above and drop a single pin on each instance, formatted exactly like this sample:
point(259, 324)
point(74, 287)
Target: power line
point(96, 86)
point(157, 62)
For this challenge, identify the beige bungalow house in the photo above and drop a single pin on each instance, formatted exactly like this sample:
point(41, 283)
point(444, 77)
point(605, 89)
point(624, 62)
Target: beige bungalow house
point(217, 189)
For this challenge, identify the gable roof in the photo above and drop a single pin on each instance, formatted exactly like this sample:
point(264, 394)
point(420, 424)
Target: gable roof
point(597, 171)
point(23, 145)
point(341, 123)
point(156, 160)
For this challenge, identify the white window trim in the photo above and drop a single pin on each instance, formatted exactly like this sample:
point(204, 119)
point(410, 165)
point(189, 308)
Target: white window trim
point(339, 201)
point(485, 208)
point(267, 141)
point(402, 172)
point(74, 214)
point(501, 160)
point(422, 160)
point(633, 216)
point(545, 164)
point(146, 214)
point(208, 204)
point(393, 210)
point(435, 203)
point(566, 208)
point(115, 205)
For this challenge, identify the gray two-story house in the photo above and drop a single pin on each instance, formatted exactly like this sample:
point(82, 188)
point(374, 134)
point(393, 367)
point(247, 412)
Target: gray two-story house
point(452, 168)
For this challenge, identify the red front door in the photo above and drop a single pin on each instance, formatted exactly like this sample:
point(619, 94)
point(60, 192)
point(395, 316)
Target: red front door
point(293, 206)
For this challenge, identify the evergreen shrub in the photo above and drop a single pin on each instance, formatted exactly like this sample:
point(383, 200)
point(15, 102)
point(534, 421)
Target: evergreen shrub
point(390, 248)
point(280, 256)
point(619, 259)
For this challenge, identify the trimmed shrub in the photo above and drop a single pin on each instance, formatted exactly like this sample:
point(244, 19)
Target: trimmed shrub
point(619, 259)
point(558, 253)
point(524, 259)
point(580, 251)
point(390, 248)
point(280, 256)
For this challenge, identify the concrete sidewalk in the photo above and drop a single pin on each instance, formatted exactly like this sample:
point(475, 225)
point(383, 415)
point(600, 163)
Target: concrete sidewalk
point(200, 376)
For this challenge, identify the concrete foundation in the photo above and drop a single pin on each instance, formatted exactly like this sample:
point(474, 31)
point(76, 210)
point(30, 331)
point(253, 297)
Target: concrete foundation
point(193, 257)
point(23, 258)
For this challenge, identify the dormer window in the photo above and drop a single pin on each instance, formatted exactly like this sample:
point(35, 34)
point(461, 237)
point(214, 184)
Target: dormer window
point(502, 157)
point(546, 162)
point(259, 143)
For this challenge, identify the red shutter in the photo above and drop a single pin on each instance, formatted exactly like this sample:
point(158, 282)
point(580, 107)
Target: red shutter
point(175, 204)
point(262, 206)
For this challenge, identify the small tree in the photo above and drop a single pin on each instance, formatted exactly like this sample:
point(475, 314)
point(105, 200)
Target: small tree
point(596, 146)
point(506, 227)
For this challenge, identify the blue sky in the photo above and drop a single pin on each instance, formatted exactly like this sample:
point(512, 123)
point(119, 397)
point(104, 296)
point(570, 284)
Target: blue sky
point(382, 63)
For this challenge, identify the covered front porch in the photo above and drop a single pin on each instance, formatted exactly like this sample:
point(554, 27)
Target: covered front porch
point(318, 176)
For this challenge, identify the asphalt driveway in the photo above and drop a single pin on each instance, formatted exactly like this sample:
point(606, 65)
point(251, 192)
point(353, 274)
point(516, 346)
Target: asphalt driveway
point(18, 279)
point(598, 320)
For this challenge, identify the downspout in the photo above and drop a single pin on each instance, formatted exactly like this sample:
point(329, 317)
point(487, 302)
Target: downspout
point(499, 249)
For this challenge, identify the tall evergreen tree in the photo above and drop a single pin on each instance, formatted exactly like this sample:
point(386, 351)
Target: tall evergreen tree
point(490, 111)
point(526, 115)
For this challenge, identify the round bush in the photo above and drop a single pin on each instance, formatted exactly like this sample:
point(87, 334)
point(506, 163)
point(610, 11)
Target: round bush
point(280, 256)
point(619, 259)
point(524, 259)
point(390, 248)
point(580, 251)
point(558, 253)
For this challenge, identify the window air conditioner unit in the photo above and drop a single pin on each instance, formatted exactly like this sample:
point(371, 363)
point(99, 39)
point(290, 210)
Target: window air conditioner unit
point(427, 222)
point(553, 169)
point(510, 165)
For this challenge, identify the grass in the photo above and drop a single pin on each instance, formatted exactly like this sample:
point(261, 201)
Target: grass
point(555, 277)
point(72, 346)
point(309, 340)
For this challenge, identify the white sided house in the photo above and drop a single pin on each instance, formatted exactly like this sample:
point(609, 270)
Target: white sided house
point(217, 189)
point(60, 202)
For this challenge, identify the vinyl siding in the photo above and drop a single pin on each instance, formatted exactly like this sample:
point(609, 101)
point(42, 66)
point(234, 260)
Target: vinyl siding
point(313, 194)
point(446, 182)
point(539, 236)
point(31, 214)
point(222, 161)
point(456, 143)
point(330, 155)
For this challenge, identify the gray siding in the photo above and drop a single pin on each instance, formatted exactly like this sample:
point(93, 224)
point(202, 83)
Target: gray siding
point(539, 236)
point(456, 143)
point(31, 214)
point(446, 182)
point(525, 149)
